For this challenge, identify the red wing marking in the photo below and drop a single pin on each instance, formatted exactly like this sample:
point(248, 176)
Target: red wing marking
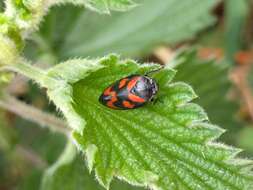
point(108, 91)
point(132, 83)
point(111, 105)
point(135, 98)
point(127, 104)
point(123, 82)
point(113, 99)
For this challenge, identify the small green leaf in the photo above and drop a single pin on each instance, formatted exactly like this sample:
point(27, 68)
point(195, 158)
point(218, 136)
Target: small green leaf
point(168, 144)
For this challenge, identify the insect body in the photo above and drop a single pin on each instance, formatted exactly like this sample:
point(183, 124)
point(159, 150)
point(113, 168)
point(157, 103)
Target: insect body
point(129, 92)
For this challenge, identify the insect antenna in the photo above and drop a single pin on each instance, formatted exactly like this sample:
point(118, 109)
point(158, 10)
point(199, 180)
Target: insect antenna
point(155, 70)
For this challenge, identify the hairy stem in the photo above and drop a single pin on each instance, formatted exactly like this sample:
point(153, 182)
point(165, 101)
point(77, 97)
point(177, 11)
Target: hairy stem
point(33, 158)
point(32, 72)
point(32, 114)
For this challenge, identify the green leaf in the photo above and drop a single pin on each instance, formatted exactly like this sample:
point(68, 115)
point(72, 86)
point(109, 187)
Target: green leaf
point(140, 30)
point(212, 89)
point(72, 164)
point(168, 144)
point(104, 6)
point(131, 33)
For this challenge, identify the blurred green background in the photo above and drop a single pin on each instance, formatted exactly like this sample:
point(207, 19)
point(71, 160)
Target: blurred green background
point(154, 31)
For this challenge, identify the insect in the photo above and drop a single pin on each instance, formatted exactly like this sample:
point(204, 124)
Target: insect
point(130, 92)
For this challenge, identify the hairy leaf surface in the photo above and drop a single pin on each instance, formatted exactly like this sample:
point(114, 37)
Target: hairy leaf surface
point(168, 144)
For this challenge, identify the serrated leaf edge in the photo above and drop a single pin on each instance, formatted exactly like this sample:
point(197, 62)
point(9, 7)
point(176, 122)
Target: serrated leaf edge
point(150, 180)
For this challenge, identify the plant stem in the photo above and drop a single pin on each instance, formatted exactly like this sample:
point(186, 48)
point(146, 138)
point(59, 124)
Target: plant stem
point(32, 72)
point(31, 157)
point(32, 114)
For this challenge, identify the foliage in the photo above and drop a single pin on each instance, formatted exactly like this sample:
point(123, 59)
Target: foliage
point(167, 144)
point(129, 144)
point(74, 166)
point(134, 33)
point(104, 6)
point(214, 96)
